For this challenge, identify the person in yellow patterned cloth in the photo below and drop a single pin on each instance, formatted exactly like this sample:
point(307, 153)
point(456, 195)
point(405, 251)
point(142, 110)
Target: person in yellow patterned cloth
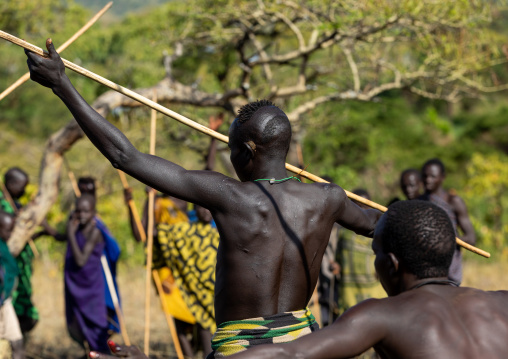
point(185, 252)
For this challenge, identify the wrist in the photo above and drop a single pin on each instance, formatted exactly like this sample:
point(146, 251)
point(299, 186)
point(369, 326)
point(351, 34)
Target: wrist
point(59, 87)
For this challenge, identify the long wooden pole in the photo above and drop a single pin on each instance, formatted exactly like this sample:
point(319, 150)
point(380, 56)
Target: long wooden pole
point(105, 268)
point(133, 209)
point(149, 237)
point(114, 297)
point(80, 32)
point(203, 129)
point(169, 318)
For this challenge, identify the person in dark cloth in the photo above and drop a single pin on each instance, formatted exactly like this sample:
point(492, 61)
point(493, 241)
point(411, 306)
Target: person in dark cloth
point(86, 185)
point(273, 229)
point(85, 304)
point(16, 180)
point(9, 323)
point(411, 183)
point(425, 316)
point(433, 175)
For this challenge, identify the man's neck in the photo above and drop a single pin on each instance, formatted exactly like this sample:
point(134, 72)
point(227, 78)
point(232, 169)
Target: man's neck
point(274, 168)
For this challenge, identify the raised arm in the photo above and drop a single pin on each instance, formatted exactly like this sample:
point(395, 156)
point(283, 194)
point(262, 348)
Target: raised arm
point(463, 220)
point(199, 187)
point(351, 216)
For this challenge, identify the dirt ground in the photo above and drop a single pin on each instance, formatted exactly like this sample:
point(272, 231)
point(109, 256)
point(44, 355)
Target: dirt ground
point(50, 339)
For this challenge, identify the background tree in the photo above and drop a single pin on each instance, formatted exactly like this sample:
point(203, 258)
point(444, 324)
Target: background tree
point(309, 57)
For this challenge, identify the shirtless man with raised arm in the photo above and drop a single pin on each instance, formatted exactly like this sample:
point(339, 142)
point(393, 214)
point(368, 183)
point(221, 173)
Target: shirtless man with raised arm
point(273, 233)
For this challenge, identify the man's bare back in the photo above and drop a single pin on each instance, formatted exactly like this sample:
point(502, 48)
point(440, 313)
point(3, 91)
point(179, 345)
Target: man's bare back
point(272, 243)
point(272, 235)
point(425, 316)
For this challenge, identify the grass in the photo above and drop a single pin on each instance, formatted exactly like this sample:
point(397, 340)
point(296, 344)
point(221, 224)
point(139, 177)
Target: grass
point(50, 339)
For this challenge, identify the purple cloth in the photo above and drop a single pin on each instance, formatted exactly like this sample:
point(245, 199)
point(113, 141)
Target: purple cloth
point(85, 305)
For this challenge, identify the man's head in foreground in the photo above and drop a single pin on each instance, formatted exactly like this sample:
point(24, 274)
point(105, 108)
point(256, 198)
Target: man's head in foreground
point(260, 133)
point(412, 238)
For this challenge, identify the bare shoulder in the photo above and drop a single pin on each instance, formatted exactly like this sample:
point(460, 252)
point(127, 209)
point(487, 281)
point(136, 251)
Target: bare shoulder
point(456, 201)
point(330, 191)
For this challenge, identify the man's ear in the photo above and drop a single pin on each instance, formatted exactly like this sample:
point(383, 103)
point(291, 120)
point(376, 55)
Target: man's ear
point(251, 148)
point(394, 261)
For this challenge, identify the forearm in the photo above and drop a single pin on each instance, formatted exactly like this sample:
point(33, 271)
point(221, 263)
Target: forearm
point(78, 256)
point(107, 138)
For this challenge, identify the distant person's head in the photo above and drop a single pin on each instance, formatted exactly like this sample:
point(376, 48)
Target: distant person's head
point(203, 214)
point(7, 222)
point(433, 175)
point(411, 183)
point(261, 132)
point(85, 209)
point(362, 193)
point(16, 180)
point(86, 185)
point(412, 238)
point(327, 178)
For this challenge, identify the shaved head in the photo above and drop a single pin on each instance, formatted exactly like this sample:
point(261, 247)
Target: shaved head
point(265, 125)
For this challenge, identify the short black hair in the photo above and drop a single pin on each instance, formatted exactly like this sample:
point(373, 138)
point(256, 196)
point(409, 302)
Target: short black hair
point(87, 181)
point(437, 162)
point(276, 134)
point(246, 111)
point(421, 236)
point(14, 173)
point(412, 171)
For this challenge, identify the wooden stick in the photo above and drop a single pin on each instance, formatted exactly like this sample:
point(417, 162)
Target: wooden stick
point(72, 178)
point(203, 129)
point(169, 318)
point(80, 32)
point(133, 208)
point(9, 199)
point(149, 237)
point(114, 297)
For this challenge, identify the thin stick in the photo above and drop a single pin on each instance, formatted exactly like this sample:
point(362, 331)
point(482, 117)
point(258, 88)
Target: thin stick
point(9, 199)
point(169, 318)
point(133, 208)
point(114, 297)
point(80, 32)
point(149, 237)
point(72, 178)
point(105, 268)
point(203, 129)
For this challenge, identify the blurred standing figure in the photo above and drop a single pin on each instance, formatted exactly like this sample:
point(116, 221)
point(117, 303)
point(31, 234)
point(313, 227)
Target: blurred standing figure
point(411, 183)
point(85, 304)
point(433, 175)
point(9, 324)
point(358, 280)
point(16, 180)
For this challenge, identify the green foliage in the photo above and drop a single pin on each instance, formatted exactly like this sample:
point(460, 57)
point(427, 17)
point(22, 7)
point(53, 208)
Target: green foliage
point(359, 144)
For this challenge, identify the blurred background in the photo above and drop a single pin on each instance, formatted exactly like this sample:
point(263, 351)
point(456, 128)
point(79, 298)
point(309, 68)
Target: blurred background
point(371, 88)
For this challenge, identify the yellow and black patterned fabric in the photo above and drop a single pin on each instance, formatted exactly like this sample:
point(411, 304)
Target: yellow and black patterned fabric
point(236, 336)
point(190, 250)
